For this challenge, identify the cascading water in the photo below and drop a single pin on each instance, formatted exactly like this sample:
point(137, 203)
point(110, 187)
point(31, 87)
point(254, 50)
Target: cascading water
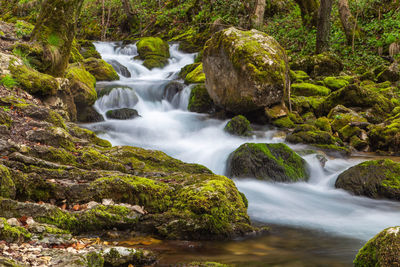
point(165, 124)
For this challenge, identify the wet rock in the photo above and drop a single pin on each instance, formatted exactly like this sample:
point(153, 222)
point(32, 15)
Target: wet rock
point(239, 126)
point(154, 51)
point(100, 69)
point(89, 114)
point(121, 69)
point(88, 50)
point(374, 179)
point(271, 162)
point(200, 101)
point(245, 71)
point(171, 89)
point(325, 64)
point(382, 250)
point(196, 76)
point(122, 114)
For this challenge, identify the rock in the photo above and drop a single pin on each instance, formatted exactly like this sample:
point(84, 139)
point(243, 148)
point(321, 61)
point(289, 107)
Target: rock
point(54, 136)
point(120, 256)
point(276, 112)
point(284, 122)
point(188, 69)
point(323, 124)
point(302, 104)
point(341, 116)
point(245, 71)
point(308, 89)
point(271, 162)
point(374, 179)
point(391, 73)
point(118, 67)
point(239, 126)
point(196, 76)
point(5, 60)
point(154, 51)
point(298, 76)
point(382, 250)
point(88, 50)
point(335, 83)
point(171, 89)
point(355, 96)
point(11, 233)
point(200, 101)
point(33, 81)
point(325, 64)
point(100, 69)
point(89, 114)
point(122, 114)
point(82, 87)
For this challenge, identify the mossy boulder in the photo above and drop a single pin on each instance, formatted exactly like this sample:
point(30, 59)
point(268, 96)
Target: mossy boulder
point(302, 104)
point(10, 233)
point(341, 116)
point(356, 96)
point(82, 86)
point(386, 136)
point(33, 81)
point(382, 250)
point(7, 186)
point(88, 50)
point(239, 126)
point(323, 124)
point(335, 83)
point(284, 122)
point(391, 73)
point(309, 89)
point(196, 76)
point(122, 114)
point(298, 76)
point(271, 162)
point(100, 69)
point(245, 70)
point(374, 179)
point(200, 101)
point(154, 51)
point(325, 64)
point(188, 69)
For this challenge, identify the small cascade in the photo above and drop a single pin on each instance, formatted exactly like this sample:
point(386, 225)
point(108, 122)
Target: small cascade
point(166, 124)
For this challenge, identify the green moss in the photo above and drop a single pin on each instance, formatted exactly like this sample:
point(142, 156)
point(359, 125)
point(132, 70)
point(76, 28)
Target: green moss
point(196, 76)
point(152, 46)
point(94, 259)
point(381, 250)
point(310, 135)
point(298, 76)
point(308, 89)
point(152, 62)
point(82, 84)
point(323, 124)
point(5, 119)
point(8, 81)
point(56, 119)
point(33, 81)
point(13, 233)
point(7, 186)
point(188, 69)
point(75, 54)
point(90, 136)
point(238, 125)
point(199, 100)
point(348, 131)
point(100, 69)
point(335, 83)
point(87, 49)
point(284, 122)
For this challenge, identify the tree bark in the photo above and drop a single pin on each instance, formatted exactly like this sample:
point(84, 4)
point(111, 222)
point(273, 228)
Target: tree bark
point(55, 30)
point(309, 12)
point(324, 26)
point(349, 23)
point(258, 16)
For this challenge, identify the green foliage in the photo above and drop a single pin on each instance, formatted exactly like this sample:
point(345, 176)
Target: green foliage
point(23, 28)
point(54, 40)
point(8, 81)
point(23, 55)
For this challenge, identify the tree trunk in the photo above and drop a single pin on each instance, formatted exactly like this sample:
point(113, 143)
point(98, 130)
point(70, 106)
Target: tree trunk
point(55, 30)
point(349, 23)
point(309, 12)
point(258, 16)
point(324, 26)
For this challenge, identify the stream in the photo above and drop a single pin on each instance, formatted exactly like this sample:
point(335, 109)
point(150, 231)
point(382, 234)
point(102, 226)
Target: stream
point(313, 224)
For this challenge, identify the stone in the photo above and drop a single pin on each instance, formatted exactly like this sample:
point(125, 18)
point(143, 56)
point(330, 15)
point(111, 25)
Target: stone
point(245, 70)
point(100, 69)
point(200, 101)
point(325, 64)
point(122, 114)
point(154, 51)
point(270, 162)
point(119, 68)
point(374, 179)
point(239, 126)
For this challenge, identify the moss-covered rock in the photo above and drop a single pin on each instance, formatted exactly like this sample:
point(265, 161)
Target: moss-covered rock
point(271, 162)
point(325, 64)
point(341, 116)
point(355, 96)
point(309, 89)
point(200, 101)
point(196, 76)
point(7, 186)
point(284, 122)
point(100, 69)
point(82, 86)
point(391, 73)
point(245, 70)
point(33, 81)
point(385, 137)
point(298, 76)
point(122, 114)
point(303, 104)
point(10, 233)
point(335, 83)
point(323, 124)
point(88, 50)
point(154, 51)
point(188, 69)
point(382, 250)
point(238, 125)
point(374, 179)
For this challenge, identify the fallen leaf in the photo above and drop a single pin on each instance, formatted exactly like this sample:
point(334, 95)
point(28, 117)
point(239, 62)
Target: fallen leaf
point(76, 207)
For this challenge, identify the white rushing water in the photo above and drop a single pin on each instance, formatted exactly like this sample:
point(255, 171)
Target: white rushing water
point(167, 125)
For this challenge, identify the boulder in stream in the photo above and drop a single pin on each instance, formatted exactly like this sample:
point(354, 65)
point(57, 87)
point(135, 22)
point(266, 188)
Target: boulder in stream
point(118, 67)
point(122, 114)
point(154, 51)
point(100, 69)
point(382, 250)
point(270, 162)
point(239, 125)
point(374, 179)
point(245, 70)
point(171, 89)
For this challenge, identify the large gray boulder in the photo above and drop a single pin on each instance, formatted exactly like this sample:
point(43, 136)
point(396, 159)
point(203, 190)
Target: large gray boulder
point(245, 70)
